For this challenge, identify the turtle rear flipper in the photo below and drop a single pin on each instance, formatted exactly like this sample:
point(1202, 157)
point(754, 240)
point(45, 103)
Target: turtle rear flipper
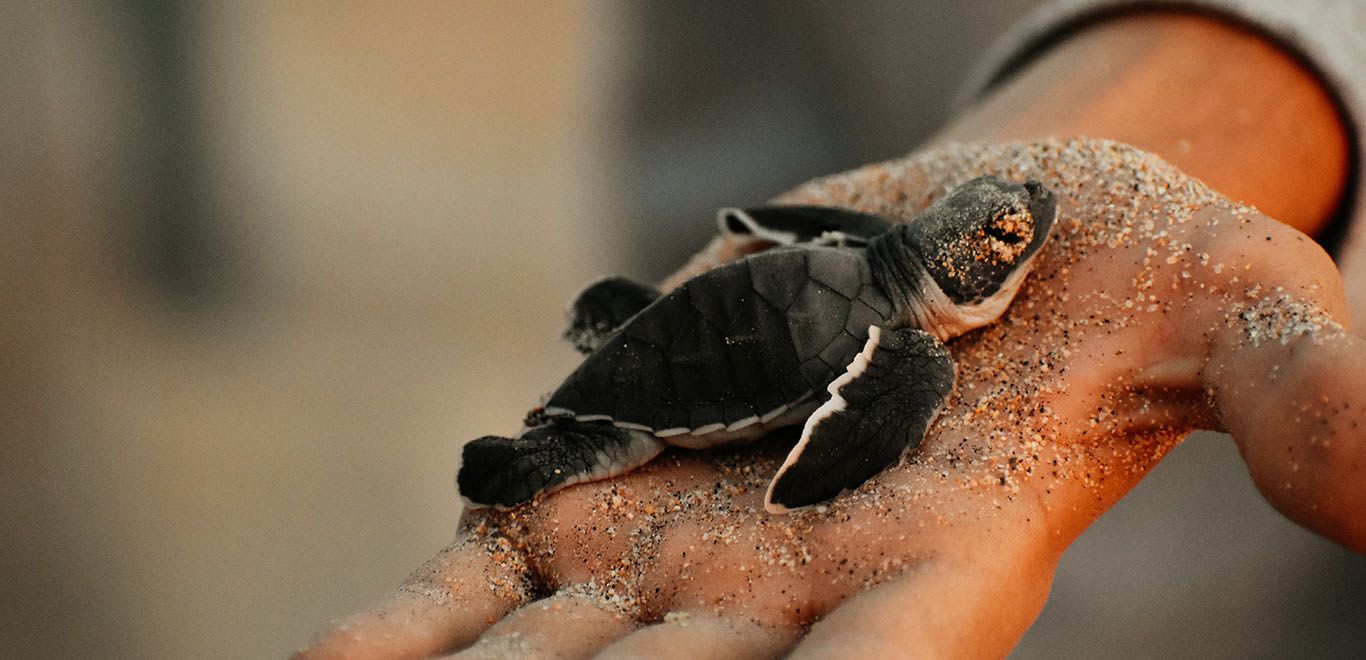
point(505, 472)
point(789, 225)
point(878, 410)
point(602, 307)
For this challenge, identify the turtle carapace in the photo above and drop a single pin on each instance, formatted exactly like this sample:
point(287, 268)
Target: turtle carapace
point(840, 326)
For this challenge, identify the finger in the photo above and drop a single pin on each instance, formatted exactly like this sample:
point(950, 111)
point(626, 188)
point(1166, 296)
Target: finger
point(690, 636)
point(942, 610)
point(566, 625)
point(444, 605)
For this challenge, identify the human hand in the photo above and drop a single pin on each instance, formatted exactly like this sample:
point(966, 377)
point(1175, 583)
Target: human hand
point(1157, 308)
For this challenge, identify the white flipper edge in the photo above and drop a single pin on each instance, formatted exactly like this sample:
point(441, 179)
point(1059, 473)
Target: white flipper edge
point(724, 217)
point(830, 407)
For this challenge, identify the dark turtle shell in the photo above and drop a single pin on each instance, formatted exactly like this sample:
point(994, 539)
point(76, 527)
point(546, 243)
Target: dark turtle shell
point(731, 346)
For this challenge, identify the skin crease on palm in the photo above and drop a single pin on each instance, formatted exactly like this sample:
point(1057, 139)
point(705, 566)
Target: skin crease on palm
point(1158, 307)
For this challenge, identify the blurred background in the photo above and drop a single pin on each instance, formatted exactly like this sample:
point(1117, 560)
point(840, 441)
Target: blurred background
point(265, 266)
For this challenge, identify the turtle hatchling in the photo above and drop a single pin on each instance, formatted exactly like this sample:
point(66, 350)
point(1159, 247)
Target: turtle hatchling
point(840, 326)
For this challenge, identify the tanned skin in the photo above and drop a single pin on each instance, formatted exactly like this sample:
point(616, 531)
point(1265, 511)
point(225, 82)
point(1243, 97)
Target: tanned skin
point(1224, 105)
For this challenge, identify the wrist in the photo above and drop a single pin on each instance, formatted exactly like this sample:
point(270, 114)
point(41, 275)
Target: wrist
point(1219, 102)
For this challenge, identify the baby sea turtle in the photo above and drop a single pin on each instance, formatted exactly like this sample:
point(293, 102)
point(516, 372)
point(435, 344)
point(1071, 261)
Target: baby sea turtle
point(842, 325)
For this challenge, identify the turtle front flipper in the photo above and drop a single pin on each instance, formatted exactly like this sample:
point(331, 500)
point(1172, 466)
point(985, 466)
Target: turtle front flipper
point(505, 472)
point(878, 410)
point(789, 225)
point(603, 307)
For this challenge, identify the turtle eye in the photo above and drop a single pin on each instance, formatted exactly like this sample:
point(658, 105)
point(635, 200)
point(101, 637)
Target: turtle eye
point(1000, 234)
point(1012, 226)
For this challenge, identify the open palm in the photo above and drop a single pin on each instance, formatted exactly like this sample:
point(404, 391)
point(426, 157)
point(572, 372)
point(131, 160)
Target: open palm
point(1158, 308)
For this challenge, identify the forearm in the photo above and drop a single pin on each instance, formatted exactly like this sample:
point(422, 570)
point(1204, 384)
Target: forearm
point(1221, 103)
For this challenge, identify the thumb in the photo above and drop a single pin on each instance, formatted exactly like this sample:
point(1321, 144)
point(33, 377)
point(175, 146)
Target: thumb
point(1288, 382)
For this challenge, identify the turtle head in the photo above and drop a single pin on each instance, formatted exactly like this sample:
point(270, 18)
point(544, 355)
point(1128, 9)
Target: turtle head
point(976, 238)
point(977, 244)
